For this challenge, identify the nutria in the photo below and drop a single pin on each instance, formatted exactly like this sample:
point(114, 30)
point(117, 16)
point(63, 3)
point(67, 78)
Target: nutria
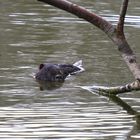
point(57, 72)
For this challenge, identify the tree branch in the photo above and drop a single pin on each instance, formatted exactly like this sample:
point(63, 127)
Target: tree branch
point(81, 12)
point(120, 24)
point(113, 90)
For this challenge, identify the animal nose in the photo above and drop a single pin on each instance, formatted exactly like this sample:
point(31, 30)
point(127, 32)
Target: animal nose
point(59, 77)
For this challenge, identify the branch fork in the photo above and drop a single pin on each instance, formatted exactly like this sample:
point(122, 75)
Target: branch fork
point(115, 33)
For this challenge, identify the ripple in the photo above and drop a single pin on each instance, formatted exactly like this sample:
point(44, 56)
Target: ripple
point(58, 121)
point(130, 20)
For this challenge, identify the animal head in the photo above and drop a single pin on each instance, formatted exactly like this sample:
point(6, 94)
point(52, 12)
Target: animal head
point(50, 72)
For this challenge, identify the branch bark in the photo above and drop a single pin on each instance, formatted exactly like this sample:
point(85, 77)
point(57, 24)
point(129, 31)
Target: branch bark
point(120, 25)
point(81, 12)
point(115, 33)
point(113, 90)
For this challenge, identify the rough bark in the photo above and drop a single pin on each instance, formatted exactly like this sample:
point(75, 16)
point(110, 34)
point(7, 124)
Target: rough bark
point(127, 53)
point(115, 33)
point(113, 90)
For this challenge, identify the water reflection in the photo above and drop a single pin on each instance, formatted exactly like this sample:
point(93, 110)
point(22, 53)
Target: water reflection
point(75, 121)
point(46, 85)
point(125, 106)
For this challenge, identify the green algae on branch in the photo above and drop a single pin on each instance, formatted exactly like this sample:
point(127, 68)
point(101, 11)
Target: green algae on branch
point(104, 90)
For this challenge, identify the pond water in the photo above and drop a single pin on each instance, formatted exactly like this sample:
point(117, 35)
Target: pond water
point(31, 33)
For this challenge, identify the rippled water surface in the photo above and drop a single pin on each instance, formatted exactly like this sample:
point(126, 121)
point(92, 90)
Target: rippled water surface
point(31, 33)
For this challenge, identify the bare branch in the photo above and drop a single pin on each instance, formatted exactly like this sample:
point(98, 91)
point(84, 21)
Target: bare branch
point(120, 24)
point(113, 90)
point(81, 12)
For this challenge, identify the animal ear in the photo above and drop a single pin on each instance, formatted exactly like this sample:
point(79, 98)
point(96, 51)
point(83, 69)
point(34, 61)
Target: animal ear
point(41, 66)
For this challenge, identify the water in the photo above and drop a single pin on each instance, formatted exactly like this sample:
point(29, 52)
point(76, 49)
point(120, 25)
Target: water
point(33, 33)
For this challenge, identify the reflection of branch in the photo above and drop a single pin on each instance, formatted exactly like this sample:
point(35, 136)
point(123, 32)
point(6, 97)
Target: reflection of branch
point(123, 104)
point(113, 97)
point(129, 109)
point(136, 128)
point(138, 121)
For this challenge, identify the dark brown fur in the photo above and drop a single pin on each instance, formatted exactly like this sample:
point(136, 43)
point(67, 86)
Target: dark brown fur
point(55, 72)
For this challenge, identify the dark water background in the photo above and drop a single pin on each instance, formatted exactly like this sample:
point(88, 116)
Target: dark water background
point(31, 33)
